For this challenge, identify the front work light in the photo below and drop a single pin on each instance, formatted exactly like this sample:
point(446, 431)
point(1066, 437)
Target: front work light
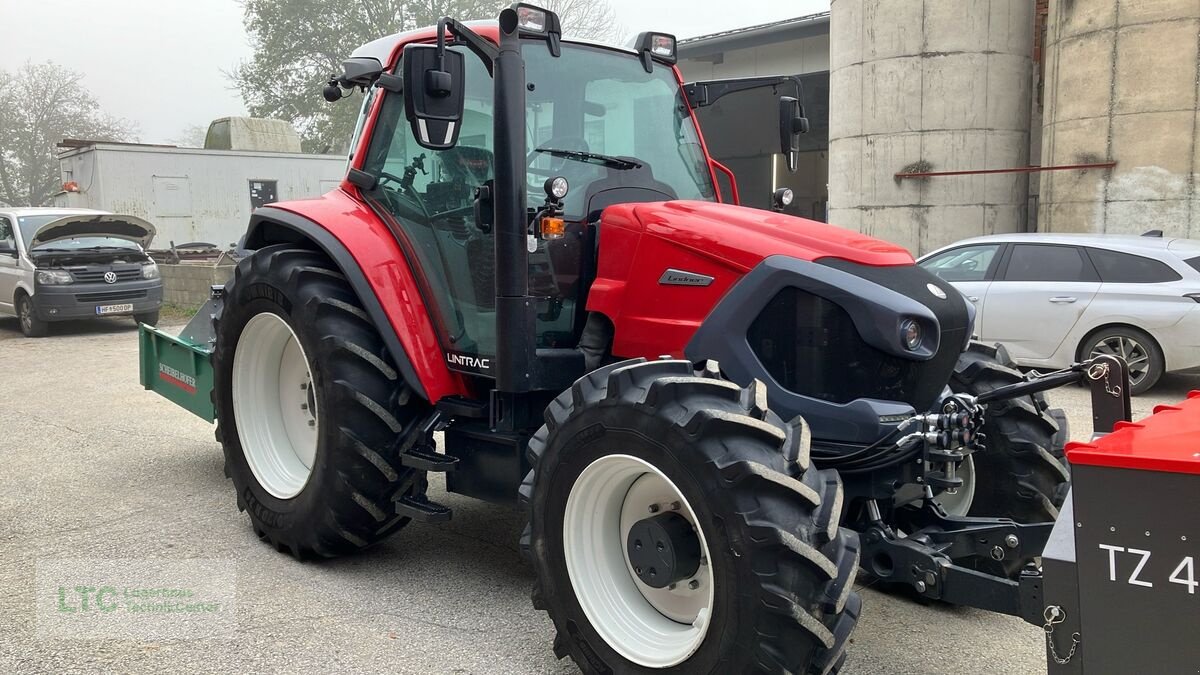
point(782, 198)
point(557, 187)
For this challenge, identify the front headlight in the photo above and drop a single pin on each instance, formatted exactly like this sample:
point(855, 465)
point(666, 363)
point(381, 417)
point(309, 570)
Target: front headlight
point(53, 277)
point(150, 271)
point(910, 335)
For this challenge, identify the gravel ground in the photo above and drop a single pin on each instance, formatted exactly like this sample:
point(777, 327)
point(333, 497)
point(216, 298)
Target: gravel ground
point(96, 468)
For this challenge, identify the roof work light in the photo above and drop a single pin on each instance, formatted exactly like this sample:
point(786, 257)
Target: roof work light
point(534, 21)
point(657, 46)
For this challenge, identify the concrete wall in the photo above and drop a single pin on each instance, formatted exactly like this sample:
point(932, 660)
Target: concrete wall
point(190, 194)
point(1122, 83)
point(937, 84)
point(188, 285)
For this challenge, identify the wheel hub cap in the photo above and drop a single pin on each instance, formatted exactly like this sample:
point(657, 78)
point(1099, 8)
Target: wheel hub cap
point(663, 549)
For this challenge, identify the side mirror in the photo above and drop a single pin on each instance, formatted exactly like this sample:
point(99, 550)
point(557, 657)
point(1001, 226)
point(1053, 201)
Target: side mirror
point(792, 123)
point(434, 94)
point(8, 251)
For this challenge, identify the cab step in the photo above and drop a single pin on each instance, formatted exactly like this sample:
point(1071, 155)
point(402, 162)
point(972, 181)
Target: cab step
point(422, 510)
point(426, 458)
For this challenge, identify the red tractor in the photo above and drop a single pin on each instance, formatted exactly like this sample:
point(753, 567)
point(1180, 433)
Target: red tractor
point(713, 415)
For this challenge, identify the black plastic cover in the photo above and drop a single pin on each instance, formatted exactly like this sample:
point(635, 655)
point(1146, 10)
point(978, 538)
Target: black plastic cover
point(835, 353)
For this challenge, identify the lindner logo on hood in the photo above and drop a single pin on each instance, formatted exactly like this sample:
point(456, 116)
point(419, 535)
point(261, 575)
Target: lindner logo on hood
point(937, 292)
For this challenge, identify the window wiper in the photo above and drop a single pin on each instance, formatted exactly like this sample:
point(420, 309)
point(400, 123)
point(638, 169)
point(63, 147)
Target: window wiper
point(593, 158)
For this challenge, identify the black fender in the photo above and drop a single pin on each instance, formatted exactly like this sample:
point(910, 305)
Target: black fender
point(276, 226)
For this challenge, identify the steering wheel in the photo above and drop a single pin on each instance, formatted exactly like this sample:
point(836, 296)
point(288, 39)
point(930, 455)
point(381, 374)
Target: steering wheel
point(407, 190)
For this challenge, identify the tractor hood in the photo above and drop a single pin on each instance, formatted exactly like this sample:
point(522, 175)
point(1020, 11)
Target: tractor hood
point(129, 228)
point(744, 237)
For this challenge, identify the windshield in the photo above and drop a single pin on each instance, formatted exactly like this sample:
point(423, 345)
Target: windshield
point(595, 117)
point(30, 224)
point(618, 126)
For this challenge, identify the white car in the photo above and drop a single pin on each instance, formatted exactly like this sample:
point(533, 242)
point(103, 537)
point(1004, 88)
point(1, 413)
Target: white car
point(1053, 299)
point(58, 264)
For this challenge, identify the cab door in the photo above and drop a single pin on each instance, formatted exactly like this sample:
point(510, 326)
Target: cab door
point(1037, 298)
point(10, 269)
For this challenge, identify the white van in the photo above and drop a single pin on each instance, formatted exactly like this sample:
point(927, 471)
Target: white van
point(60, 264)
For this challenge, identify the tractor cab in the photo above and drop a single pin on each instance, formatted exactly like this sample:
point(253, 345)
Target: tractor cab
point(591, 126)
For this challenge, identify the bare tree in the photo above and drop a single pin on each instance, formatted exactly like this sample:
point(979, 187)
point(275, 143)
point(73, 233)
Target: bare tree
point(298, 44)
point(590, 19)
point(41, 104)
point(191, 136)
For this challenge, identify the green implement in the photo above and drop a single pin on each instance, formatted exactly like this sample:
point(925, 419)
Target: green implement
point(179, 368)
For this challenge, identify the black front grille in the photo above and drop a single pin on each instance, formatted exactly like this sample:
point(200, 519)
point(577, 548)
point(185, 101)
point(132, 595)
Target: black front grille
point(110, 296)
point(96, 274)
point(811, 346)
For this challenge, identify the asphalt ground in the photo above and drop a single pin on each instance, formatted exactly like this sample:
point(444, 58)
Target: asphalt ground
point(93, 467)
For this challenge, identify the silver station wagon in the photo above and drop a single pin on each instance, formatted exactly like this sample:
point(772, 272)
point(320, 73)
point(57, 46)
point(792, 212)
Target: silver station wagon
point(1052, 299)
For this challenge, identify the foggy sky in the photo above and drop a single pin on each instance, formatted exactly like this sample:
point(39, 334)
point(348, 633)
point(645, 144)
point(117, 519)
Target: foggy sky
point(161, 63)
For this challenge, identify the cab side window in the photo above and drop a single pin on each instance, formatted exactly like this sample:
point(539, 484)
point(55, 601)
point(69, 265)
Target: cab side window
point(8, 243)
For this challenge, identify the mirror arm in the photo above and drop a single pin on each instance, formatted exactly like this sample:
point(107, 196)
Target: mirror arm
point(486, 51)
point(702, 94)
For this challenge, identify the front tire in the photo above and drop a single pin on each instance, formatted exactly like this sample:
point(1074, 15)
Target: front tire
point(773, 591)
point(1017, 475)
point(31, 326)
point(311, 411)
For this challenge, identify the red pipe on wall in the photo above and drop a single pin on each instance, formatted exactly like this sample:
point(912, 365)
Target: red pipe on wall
point(1021, 169)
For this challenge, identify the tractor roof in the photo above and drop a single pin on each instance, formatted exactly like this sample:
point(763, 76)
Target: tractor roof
point(384, 49)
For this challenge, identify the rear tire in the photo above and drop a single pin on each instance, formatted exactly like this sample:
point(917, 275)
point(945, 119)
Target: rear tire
point(1017, 476)
point(31, 326)
point(149, 318)
point(779, 570)
point(365, 414)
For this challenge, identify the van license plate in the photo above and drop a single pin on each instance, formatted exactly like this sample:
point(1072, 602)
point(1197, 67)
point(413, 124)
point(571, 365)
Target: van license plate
point(114, 309)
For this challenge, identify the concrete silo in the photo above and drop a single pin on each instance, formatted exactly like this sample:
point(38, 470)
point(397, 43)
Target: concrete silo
point(1121, 85)
point(929, 85)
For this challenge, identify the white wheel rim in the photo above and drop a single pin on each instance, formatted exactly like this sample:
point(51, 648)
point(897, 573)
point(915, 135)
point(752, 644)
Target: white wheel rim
point(274, 405)
point(654, 628)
